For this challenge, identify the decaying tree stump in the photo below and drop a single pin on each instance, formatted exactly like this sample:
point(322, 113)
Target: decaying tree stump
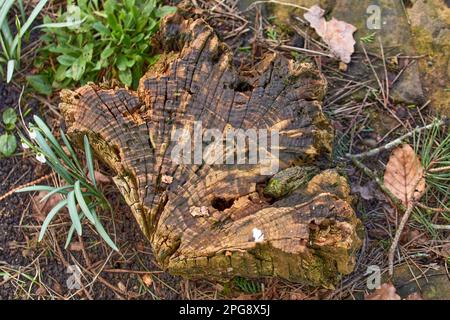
point(218, 221)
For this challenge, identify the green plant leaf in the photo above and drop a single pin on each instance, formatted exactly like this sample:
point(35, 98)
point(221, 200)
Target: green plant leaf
point(126, 77)
point(61, 190)
point(107, 52)
point(71, 204)
point(66, 60)
point(50, 216)
point(71, 151)
point(9, 116)
point(69, 236)
point(78, 68)
point(82, 202)
point(35, 188)
point(40, 83)
point(89, 160)
point(67, 24)
point(165, 10)
point(102, 232)
point(10, 70)
point(37, 9)
point(8, 144)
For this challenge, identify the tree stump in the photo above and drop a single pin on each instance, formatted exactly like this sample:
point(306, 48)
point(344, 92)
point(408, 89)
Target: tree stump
point(215, 220)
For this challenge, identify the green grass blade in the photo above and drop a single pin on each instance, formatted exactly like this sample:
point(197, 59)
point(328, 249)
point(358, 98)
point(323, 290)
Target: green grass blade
point(66, 24)
point(10, 70)
point(35, 188)
point(6, 31)
point(57, 147)
point(69, 236)
point(4, 11)
point(82, 202)
point(71, 151)
point(50, 216)
point(103, 233)
point(46, 130)
point(89, 160)
point(54, 191)
point(71, 204)
point(37, 9)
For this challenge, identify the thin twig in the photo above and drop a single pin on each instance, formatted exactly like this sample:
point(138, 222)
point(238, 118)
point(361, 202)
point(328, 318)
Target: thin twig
point(32, 183)
point(396, 142)
point(397, 236)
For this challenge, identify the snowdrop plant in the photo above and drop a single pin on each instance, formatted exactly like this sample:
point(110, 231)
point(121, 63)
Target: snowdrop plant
point(80, 189)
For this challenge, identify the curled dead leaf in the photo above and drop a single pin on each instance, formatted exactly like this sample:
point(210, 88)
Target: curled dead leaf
point(337, 34)
point(404, 175)
point(385, 292)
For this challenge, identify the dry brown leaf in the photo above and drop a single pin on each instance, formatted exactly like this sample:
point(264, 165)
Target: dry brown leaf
point(101, 178)
point(147, 279)
point(337, 34)
point(404, 175)
point(385, 292)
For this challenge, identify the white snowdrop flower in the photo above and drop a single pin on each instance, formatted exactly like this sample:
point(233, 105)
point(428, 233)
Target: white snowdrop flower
point(32, 134)
point(25, 146)
point(258, 235)
point(41, 158)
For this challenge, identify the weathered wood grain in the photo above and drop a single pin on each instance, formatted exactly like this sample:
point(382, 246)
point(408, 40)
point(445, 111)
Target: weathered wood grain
point(199, 218)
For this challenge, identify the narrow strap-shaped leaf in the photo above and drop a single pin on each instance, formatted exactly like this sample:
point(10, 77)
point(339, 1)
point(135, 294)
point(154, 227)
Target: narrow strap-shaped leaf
point(54, 191)
point(57, 147)
point(50, 216)
point(70, 234)
point(71, 204)
point(89, 160)
point(80, 199)
point(10, 70)
point(37, 9)
point(36, 188)
point(4, 9)
point(66, 24)
point(46, 130)
point(55, 163)
point(71, 151)
point(102, 232)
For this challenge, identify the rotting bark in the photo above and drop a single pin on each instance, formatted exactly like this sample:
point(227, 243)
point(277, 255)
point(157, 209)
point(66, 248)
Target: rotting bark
point(200, 218)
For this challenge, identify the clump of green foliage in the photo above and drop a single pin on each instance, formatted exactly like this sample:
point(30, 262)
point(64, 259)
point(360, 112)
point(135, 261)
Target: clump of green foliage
point(247, 285)
point(11, 43)
point(8, 141)
point(79, 189)
point(112, 42)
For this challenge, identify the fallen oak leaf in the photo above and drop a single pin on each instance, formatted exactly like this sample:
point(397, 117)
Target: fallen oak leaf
point(386, 292)
point(338, 35)
point(404, 175)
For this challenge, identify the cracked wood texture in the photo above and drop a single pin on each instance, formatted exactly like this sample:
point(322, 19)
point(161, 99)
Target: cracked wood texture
point(200, 218)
